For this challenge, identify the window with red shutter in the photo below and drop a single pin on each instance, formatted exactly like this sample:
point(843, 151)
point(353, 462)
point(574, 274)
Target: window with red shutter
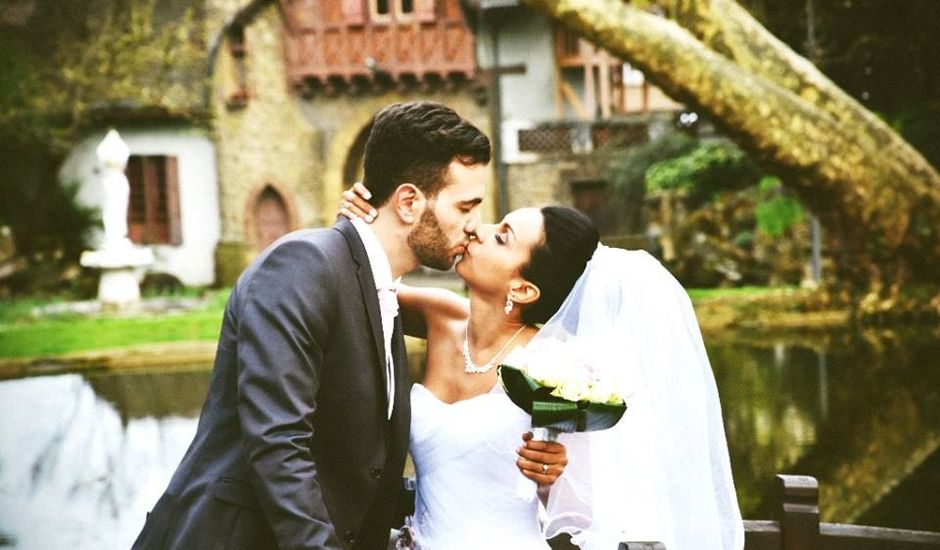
point(153, 215)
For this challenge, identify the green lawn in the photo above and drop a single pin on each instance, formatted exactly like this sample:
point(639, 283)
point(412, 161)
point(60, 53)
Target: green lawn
point(734, 293)
point(23, 336)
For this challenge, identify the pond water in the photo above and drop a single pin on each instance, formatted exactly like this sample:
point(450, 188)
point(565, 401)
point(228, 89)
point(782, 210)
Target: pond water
point(83, 457)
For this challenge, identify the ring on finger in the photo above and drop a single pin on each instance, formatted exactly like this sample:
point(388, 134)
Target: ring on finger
point(544, 469)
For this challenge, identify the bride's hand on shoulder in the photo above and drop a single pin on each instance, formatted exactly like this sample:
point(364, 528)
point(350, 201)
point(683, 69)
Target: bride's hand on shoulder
point(542, 461)
point(355, 203)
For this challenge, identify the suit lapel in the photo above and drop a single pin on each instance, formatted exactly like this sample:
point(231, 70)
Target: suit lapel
point(369, 295)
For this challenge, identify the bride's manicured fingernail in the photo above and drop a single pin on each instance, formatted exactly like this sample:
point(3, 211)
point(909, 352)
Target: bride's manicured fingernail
point(368, 218)
point(373, 213)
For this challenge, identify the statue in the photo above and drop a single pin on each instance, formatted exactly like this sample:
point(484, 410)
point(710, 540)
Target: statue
point(119, 261)
point(112, 155)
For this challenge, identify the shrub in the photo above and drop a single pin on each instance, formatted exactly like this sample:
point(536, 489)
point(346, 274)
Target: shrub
point(704, 171)
point(776, 212)
point(627, 174)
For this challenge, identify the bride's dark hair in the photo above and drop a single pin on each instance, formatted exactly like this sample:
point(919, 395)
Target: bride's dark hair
point(569, 241)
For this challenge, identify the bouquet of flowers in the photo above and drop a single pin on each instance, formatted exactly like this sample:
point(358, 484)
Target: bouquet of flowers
point(556, 383)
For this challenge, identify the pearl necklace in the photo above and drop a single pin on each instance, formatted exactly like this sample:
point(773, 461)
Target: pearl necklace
point(469, 366)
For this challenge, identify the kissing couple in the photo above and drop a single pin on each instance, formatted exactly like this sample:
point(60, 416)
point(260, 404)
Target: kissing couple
point(302, 440)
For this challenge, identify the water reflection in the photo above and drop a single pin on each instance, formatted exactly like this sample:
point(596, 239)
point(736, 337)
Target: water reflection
point(859, 411)
point(83, 458)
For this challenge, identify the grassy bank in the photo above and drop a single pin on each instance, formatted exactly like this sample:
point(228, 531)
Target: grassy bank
point(761, 308)
point(24, 335)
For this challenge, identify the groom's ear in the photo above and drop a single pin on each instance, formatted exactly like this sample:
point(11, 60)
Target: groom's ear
point(408, 203)
point(525, 292)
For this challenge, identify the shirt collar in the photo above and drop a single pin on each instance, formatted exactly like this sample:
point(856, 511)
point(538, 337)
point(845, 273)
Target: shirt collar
point(378, 259)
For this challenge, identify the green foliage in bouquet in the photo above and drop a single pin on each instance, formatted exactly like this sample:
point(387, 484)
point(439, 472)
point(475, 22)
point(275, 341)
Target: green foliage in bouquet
point(552, 412)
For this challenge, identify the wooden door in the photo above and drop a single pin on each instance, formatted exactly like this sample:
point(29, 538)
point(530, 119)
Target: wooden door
point(272, 219)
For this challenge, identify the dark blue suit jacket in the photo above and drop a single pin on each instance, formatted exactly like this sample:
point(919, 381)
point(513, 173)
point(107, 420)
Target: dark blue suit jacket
point(293, 448)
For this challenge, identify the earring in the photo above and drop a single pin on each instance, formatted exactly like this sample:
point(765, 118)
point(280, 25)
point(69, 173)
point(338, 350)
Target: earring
point(508, 307)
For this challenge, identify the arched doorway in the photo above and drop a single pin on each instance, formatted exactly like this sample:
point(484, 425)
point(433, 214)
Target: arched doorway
point(271, 216)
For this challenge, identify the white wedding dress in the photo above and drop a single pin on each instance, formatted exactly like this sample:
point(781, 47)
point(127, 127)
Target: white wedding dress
point(465, 460)
point(662, 473)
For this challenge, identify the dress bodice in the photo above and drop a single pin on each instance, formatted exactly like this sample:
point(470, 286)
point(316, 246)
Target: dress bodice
point(465, 460)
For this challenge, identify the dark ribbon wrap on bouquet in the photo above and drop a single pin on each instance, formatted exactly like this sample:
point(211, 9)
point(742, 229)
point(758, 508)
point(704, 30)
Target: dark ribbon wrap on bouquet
point(556, 413)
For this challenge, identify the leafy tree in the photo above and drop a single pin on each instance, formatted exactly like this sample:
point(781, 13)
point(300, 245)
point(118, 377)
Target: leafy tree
point(77, 65)
point(877, 195)
point(81, 61)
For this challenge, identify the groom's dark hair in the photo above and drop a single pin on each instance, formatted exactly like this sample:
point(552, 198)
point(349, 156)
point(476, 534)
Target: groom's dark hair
point(415, 142)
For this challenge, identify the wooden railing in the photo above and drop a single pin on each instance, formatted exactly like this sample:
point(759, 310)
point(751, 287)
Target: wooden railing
point(797, 527)
point(567, 137)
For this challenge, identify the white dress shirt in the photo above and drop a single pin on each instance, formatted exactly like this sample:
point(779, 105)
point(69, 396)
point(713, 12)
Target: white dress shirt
point(387, 290)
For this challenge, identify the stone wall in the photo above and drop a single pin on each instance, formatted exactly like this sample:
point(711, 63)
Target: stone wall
point(541, 183)
point(261, 140)
point(551, 179)
point(340, 120)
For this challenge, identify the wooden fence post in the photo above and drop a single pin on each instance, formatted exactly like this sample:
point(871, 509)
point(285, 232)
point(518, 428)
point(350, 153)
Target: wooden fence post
point(799, 512)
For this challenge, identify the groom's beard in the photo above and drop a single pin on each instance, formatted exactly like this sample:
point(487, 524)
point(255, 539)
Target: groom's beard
point(429, 244)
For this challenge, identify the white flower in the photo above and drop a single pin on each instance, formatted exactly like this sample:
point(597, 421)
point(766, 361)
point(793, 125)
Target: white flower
point(573, 390)
point(602, 391)
point(552, 362)
point(567, 367)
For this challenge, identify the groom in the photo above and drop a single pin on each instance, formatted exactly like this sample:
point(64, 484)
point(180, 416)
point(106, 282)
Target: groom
point(302, 439)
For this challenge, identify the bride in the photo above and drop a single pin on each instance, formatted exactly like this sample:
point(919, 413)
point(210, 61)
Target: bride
point(661, 474)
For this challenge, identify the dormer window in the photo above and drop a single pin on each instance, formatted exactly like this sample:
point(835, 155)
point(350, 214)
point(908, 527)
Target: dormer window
point(383, 11)
point(380, 10)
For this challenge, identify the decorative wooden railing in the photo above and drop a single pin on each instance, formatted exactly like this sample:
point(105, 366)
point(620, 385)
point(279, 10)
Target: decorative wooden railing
point(341, 45)
point(567, 137)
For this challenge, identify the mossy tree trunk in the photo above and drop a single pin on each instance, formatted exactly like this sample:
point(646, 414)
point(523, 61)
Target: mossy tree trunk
point(876, 195)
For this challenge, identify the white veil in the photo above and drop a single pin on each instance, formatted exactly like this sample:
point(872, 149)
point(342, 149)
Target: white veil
point(662, 473)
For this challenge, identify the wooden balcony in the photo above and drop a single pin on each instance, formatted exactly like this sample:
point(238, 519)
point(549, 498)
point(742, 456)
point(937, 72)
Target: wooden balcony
point(351, 44)
point(610, 87)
